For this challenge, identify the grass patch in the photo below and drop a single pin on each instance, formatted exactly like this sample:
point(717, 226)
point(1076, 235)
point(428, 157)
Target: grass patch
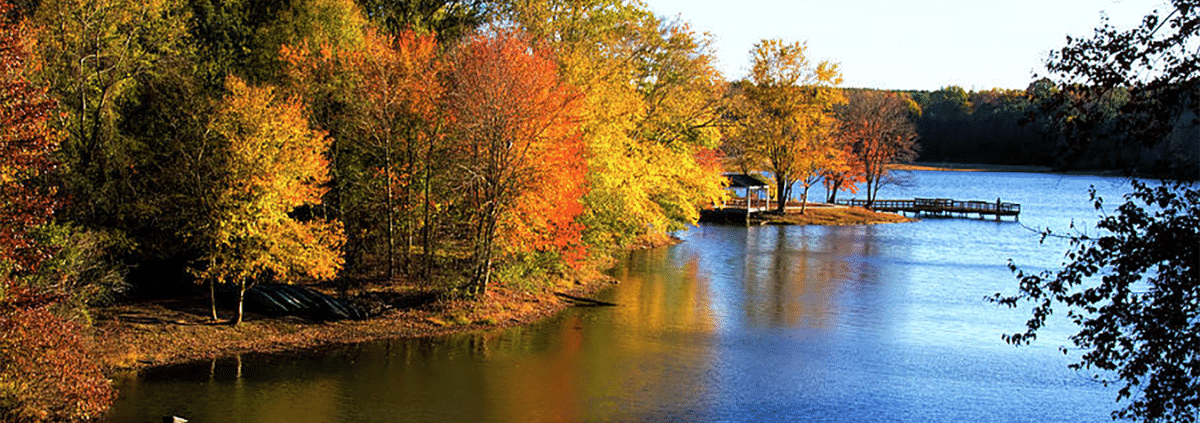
point(829, 215)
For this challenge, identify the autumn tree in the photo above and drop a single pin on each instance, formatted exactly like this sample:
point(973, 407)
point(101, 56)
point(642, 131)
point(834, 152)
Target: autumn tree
point(45, 372)
point(381, 104)
point(518, 149)
point(400, 123)
point(843, 174)
point(26, 144)
point(273, 163)
point(878, 130)
point(787, 120)
point(648, 112)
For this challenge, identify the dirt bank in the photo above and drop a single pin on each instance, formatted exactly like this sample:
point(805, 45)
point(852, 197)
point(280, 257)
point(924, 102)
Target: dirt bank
point(155, 333)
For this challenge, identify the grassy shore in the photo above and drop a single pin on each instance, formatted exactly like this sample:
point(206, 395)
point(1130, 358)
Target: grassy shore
point(814, 214)
point(825, 214)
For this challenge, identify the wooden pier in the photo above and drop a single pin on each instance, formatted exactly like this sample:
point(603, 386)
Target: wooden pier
point(941, 207)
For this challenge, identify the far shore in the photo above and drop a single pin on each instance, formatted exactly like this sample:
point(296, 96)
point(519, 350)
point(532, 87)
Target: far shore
point(975, 167)
point(968, 167)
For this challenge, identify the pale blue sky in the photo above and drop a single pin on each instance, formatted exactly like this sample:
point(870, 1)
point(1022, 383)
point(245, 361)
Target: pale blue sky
point(907, 44)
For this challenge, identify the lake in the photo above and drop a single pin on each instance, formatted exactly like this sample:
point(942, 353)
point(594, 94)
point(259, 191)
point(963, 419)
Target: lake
point(879, 323)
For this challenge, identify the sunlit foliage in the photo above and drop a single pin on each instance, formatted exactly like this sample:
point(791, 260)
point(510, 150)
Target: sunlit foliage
point(649, 110)
point(785, 120)
point(878, 130)
point(45, 372)
point(515, 137)
point(273, 164)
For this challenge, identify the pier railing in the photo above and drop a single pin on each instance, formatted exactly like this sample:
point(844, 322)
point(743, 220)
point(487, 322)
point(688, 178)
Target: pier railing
point(940, 206)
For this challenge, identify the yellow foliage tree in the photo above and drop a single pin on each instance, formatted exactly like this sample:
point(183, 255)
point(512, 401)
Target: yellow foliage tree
point(272, 165)
point(786, 119)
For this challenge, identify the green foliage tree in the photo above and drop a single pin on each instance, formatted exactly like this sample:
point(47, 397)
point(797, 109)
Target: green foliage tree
point(449, 20)
point(381, 104)
point(94, 52)
point(1134, 287)
point(996, 126)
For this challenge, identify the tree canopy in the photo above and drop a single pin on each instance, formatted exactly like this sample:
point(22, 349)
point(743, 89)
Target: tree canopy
point(785, 120)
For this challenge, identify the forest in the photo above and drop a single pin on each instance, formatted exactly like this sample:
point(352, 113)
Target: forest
point(1066, 127)
point(161, 148)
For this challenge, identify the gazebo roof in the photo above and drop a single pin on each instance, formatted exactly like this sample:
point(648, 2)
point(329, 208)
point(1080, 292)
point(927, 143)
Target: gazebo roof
point(742, 180)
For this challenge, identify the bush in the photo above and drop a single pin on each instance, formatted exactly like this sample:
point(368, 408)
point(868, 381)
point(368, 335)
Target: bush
point(45, 373)
point(87, 267)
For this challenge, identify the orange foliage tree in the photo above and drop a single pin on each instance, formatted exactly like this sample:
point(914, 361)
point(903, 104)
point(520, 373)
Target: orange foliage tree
point(878, 129)
point(843, 174)
point(45, 373)
point(273, 164)
point(399, 121)
point(518, 148)
point(381, 104)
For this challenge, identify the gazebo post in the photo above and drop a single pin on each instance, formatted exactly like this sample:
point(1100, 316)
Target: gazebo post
point(749, 205)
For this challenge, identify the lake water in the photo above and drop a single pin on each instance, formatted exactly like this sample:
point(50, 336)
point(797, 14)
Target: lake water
point(879, 323)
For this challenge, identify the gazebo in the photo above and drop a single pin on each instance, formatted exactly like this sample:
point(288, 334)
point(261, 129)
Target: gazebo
point(752, 185)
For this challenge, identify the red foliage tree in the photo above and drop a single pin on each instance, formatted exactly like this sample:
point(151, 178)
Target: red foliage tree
point(45, 373)
point(844, 174)
point(26, 142)
point(521, 156)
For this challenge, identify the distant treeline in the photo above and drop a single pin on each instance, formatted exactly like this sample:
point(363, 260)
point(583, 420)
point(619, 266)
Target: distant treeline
point(1027, 127)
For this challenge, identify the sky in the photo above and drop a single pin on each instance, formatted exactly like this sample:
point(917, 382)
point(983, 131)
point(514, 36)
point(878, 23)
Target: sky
point(903, 45)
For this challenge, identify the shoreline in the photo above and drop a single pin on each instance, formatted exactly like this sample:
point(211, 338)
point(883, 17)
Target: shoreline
point(131, 337)
point(142, 335)
point(970, 167)
point(823, 214)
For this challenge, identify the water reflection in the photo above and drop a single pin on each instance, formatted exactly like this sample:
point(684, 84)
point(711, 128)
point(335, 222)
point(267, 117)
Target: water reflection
point(864, 323)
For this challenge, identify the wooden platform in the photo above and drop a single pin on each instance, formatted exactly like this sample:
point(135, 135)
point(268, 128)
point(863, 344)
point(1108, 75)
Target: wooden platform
point(941, 206)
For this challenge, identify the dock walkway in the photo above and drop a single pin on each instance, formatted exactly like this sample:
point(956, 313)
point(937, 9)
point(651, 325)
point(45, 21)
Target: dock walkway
point(941, 206)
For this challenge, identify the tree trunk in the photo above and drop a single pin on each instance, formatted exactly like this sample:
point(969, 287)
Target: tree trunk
point(241, 302)
point(391, 239)
point(212, 296)
point(831, 197)
point(781, 195)
point(427, 220)
point(410, 162)
point(804, 200)
point(870, 192)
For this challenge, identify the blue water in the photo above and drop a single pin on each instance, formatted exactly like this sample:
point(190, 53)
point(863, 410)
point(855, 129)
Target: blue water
point(879, 323)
